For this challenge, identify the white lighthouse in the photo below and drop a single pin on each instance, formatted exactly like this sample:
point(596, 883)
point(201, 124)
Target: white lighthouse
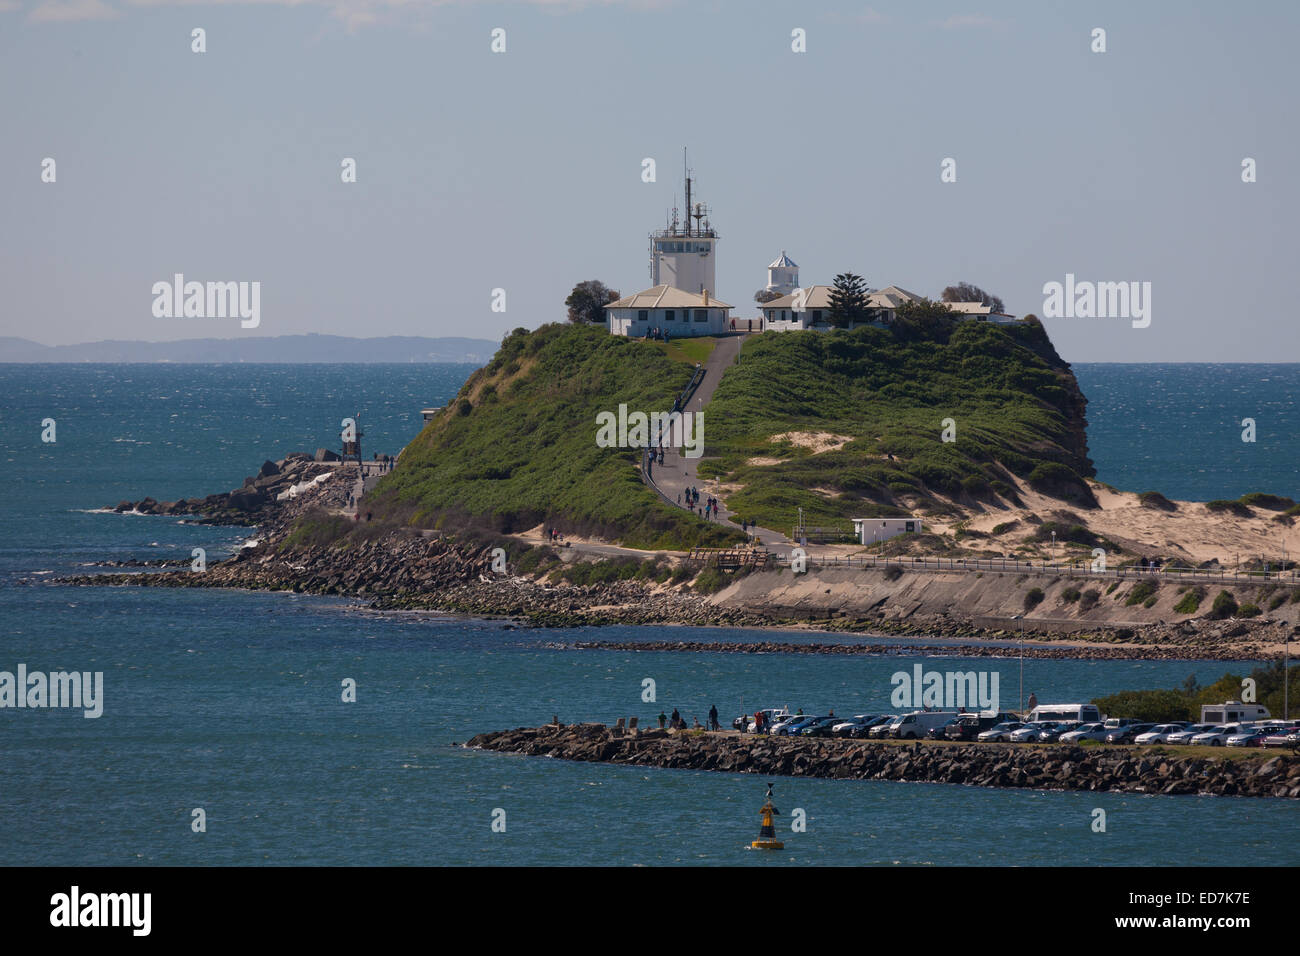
point(783, 275)
point(683, 253)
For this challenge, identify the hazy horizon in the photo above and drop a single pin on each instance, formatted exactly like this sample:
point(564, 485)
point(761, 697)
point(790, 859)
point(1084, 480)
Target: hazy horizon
point(522, 170)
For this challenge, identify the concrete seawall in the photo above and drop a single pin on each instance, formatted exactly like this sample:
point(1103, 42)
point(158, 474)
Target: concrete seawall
point(1045, 767)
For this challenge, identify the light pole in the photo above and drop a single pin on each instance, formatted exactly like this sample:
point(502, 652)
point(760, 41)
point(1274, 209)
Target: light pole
point(1021, 619)
point(1053, 547)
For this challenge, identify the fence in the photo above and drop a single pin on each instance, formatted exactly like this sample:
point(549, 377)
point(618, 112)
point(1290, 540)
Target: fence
point(1012, 566)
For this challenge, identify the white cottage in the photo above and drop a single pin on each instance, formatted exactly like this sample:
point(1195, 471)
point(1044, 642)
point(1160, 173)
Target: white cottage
point(782, 315)
point(668, 311)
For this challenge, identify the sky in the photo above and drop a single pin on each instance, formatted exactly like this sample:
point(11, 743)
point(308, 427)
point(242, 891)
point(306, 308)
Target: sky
point(522, 170)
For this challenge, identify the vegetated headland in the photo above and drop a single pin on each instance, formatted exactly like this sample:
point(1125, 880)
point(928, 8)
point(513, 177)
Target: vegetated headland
point(505, 504)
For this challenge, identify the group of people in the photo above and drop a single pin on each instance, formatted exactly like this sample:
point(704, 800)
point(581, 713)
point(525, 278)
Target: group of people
point(553, 536)
point(658, 334)
point(677, 722)
point(710, 509)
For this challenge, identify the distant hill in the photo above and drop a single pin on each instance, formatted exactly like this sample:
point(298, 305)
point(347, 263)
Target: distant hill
point(268, 349)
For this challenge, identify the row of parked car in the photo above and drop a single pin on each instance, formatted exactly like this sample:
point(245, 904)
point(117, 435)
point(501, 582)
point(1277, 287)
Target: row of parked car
point(1006, 728)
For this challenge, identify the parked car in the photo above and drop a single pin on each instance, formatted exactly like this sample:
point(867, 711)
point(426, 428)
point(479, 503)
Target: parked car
point(1283, 737)
point(1052, 733)
point(820, 727)
point(1028, 733)
point(1093, 731)
point(793, 725)
point(1125, 734)
point(1185, 735)
point(876, 728)
point(941, 732)
point(1159, 734)
point(918, 723)
point(999, 733)
point(1249, 737)
point(845, 728)
point(771, 717)
point(1118, 723)
point(881, 730)
point(1216, 736)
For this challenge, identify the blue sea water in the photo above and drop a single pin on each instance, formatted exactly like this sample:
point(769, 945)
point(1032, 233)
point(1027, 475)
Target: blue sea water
point(231, 701)
point(1177, 429)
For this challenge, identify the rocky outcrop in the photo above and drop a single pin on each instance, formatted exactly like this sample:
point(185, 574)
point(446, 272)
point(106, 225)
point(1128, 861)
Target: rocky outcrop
point(253, 503)
point(1064, 767)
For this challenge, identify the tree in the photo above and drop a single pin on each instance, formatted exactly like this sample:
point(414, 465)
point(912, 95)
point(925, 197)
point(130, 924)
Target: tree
point(587, 301)
point(766, 295)
point(967, 292)
point(848, 303)
point(923, 316)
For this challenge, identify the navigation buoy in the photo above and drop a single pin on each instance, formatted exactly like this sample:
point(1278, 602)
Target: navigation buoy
point(767, 832)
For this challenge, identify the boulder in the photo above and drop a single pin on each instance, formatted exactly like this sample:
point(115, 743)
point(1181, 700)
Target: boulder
point(268, 468)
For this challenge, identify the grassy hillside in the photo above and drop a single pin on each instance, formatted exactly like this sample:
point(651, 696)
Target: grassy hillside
point(1014, 402)
point(517, 446)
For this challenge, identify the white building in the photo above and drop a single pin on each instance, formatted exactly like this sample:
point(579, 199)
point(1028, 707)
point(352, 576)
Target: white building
point(668, 311)
point(783, 275)
point(874, 530)
point(811, 310)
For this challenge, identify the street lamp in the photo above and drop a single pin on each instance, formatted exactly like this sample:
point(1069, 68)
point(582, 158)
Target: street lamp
point(1021, 619)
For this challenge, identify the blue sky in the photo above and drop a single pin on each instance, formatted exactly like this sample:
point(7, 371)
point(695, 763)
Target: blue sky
point(522, 170)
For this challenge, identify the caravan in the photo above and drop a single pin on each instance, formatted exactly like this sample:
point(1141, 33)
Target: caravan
point(1232, 712)
point(1060, 713)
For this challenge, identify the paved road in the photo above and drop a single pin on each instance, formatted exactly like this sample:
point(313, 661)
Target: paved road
point(676, 474)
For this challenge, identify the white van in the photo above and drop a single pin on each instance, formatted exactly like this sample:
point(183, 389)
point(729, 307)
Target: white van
point(1232, 712)
point(1059, 713)
point(917, 724)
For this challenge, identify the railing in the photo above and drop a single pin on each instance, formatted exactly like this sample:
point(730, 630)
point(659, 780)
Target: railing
point(1012, 566)
point(731, 559)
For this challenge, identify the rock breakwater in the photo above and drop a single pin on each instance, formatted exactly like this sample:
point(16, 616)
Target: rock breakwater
point(1047, 767)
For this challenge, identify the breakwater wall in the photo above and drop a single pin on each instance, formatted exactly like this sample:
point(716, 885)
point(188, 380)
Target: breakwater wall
point(1048, 767)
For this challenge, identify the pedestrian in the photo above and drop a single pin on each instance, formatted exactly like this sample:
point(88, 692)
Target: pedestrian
point(676, 718)
point(663, 719)
point(713, 717)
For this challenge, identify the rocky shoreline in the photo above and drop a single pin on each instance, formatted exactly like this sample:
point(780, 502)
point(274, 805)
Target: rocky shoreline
point(1046, 767)
point(404, 568)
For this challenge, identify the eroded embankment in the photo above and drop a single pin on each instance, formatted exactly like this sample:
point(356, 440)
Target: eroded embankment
point(1048, 767)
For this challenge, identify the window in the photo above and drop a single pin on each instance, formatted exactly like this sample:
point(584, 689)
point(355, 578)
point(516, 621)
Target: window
point(701, 315)
point(642, 315)
point(670, 315)
point(817, 316)
point(911, 526)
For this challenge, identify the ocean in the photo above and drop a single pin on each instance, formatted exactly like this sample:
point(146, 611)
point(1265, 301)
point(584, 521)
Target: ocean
point(231, 702)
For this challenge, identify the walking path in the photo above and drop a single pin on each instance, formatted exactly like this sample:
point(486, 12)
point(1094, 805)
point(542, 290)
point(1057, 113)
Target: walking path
point(677, 473)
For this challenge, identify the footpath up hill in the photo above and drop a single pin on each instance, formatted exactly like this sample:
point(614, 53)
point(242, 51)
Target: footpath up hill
point(517, 445)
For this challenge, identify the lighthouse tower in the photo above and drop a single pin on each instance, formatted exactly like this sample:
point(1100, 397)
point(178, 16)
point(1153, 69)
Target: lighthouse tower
point(682, 254)
point(783, 275)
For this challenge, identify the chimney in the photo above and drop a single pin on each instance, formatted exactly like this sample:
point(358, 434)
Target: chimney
point(706, 297)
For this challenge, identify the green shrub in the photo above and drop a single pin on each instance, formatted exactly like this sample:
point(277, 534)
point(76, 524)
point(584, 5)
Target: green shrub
point(1248, 610)
point(1225, 605)
point(1088, 599)
point(1277, 602)
point(1190, 601)
point(1221, 506)
point(1141, 591)
point(1154, 499)
point(1269, 502)
point(1033, 598)
point(1113, 586)
point(893, 572)
point(1070, 595)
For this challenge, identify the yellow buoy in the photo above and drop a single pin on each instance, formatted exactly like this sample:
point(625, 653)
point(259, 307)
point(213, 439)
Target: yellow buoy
point(767, 832)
